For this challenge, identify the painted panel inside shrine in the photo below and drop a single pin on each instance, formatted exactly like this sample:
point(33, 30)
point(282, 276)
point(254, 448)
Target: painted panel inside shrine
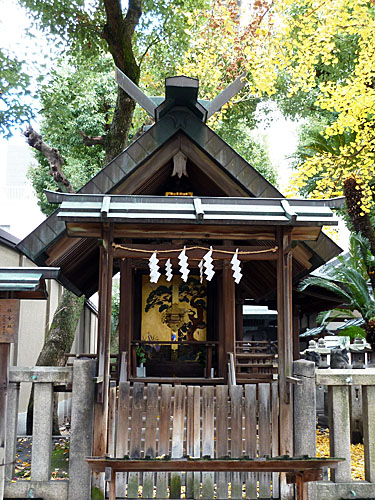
point(176, 312)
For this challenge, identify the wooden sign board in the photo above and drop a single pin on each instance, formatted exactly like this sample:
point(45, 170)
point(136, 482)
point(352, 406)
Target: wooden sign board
point(9, 314)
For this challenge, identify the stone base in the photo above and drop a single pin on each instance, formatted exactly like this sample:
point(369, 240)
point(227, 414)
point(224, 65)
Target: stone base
point(341, 491)
point(48, 490)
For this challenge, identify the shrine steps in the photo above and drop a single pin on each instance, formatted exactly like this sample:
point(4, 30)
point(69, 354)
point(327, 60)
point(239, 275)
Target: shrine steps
point(179, 381)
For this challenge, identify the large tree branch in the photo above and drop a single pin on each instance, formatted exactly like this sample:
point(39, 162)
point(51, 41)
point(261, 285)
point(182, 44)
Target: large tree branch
point(132, 17)
point(89, 140)
point(54, 158)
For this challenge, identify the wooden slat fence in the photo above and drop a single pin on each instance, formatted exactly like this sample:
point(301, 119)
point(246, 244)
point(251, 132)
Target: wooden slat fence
point(153, 420)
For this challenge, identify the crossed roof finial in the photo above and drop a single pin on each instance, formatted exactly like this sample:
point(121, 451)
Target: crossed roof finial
point(179, 88)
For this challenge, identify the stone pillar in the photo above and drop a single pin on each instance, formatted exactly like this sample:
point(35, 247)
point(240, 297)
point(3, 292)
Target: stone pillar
point(304, 408)
point(339, 430)
point(81, 428)
point(42, 432)
point(11, 439)
point(369, 431)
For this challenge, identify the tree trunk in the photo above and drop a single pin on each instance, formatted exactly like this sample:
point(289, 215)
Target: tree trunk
point(59, 340)
point(117, 137)
point(370, 333)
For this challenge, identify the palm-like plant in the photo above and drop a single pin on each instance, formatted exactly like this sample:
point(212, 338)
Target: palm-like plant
point(350, 281)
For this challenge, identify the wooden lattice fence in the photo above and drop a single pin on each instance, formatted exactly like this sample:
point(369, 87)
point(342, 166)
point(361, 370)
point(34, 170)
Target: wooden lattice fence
point(149, 420)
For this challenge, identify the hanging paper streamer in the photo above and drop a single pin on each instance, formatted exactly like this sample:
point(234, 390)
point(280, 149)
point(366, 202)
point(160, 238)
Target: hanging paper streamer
point(236, 268)
point(183, 263)
point(168, 270)
point(154, 268)
point(200, 265)
point(209, 268)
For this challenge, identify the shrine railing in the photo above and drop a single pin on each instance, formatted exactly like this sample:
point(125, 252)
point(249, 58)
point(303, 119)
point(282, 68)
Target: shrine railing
point(149, 420)
point(46, 380)
point(340, 383)
point(198, 353)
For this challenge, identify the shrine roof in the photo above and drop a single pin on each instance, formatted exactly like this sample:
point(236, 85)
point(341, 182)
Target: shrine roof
point(25, 282)
point(190, 210)
point(249, 181)
point(242, 196)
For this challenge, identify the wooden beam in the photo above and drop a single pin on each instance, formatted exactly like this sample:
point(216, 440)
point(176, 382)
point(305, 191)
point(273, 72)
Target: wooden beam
point(302, 256)
point(60, 247)
point(173, 231)
point(104, 341)
point(132, 251)
point(167, 230)
point(126, 310)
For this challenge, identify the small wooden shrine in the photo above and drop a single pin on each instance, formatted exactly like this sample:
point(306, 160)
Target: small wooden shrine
point(194, 231)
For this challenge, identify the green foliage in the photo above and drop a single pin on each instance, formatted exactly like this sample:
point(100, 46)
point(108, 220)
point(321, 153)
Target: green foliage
point(80, 95)
point(115, 317)
point(326, 316)
point(15, 109)
point(312, 141)
point(353, 332)
point(165, 33)
point(235, 128)
point(97, 494)
point(349, 280)
point(141, 355)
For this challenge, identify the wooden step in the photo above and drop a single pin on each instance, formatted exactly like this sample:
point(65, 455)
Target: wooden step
point(240, 381)
point(254, 365)
point(255, 375)
point(257, 355)
point(179, 380)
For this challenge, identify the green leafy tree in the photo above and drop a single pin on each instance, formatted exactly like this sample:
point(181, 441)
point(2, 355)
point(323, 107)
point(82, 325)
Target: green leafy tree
point(15, 109)
point(79, 96)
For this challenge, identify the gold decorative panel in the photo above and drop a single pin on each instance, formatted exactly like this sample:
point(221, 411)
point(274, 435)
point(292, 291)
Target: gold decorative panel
point(174, 310)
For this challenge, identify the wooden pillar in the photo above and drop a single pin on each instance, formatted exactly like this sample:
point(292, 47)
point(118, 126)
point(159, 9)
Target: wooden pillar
point(239, 318)
point(222, 368)
point(285, 338)
point(229, 309)
point(104, 342)
point(126, 311)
